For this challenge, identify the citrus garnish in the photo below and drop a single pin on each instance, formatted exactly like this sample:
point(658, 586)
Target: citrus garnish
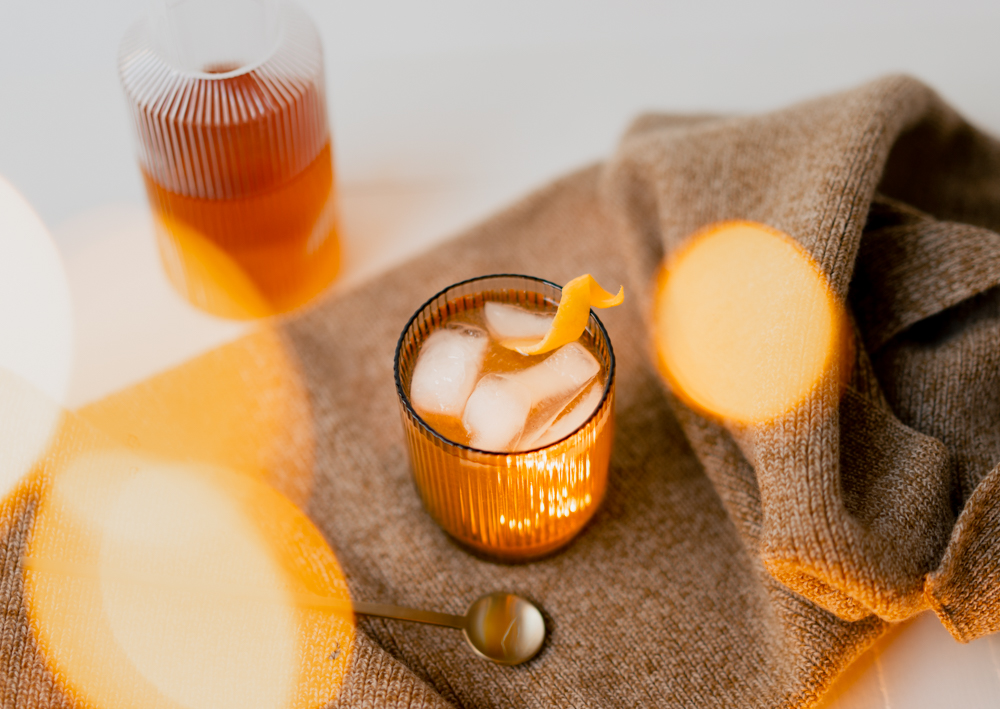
point(578, 297)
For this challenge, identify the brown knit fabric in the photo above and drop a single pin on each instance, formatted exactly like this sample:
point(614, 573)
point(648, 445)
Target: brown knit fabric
point(725, 568)
point(857, 506)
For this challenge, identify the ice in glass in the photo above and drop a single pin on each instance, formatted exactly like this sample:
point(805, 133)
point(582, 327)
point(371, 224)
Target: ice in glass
point(509, 451)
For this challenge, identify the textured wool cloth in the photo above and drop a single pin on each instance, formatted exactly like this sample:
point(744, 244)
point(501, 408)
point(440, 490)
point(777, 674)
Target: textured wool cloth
point(724, 568)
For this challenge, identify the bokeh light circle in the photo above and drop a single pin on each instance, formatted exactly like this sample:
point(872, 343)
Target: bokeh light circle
point(746, 325)
point(36, 336)
point(156, 583)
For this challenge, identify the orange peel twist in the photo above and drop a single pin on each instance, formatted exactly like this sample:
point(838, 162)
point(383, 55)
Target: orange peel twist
point(578, 297)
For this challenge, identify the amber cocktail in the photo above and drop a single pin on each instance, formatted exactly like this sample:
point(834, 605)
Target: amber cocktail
point(509, 452)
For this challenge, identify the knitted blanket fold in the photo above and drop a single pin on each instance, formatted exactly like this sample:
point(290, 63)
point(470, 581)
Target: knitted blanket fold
point(886, 506)
point(726, 567)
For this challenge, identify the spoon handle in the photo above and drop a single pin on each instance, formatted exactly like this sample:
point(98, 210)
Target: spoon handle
point(384, 610)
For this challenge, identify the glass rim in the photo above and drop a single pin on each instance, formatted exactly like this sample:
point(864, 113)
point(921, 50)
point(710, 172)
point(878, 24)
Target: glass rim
point(405, 399)
point(144, 28)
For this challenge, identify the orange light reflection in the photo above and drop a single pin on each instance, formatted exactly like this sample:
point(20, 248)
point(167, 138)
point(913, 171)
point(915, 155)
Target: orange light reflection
point(746, 325)
point(242, 406)
point(160, 584)
point(165, 567)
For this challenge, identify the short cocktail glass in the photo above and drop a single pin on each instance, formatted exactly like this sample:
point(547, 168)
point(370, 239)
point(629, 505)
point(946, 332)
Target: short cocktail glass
point(511, 506)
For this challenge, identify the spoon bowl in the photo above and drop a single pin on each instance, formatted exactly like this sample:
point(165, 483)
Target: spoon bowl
point(501, 627)
point(504, 628)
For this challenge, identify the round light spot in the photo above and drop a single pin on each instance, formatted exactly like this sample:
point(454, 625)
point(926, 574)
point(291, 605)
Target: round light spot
point(746, 325)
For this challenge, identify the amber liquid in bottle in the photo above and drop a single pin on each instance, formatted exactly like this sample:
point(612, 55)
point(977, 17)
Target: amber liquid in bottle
point(252, 255)
point(237, 164)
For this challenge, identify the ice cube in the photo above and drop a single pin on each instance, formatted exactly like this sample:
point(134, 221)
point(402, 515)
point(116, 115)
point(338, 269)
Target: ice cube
point(447, 369)
point(573, 417)
point(496, 412)
point(554, 384)
point(514, 326)
point(544, 416)
point(569, 369)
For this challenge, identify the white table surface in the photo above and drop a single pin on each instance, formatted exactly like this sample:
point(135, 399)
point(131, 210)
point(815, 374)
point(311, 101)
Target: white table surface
point(442, 112)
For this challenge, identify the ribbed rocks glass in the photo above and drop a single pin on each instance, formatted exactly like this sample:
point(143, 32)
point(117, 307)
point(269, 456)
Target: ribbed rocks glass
point(509, 506)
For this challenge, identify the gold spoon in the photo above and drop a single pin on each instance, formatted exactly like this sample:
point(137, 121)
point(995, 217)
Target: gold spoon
point(499, 626)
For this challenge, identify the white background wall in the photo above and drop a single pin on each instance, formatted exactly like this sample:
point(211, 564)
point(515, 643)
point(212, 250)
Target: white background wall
point(510, 93)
